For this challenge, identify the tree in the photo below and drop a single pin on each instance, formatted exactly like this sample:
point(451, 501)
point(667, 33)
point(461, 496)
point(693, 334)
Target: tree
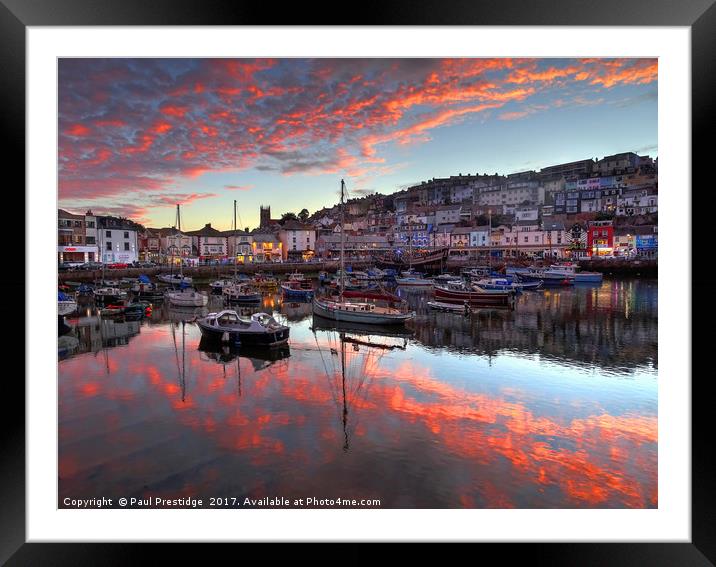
point(303, 215)
point(287, 217)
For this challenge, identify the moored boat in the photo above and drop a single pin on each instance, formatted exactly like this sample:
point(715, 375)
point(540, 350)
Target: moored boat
point(241, 293)
point(66, 303)
point(450, 307)
point(227, 326)
point(474, 296)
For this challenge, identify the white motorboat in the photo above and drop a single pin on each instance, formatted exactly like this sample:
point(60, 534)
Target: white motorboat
point(175, 279)
point(187, 297)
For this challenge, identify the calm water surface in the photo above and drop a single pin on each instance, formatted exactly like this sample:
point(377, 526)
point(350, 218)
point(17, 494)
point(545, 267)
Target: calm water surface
point(552, 405)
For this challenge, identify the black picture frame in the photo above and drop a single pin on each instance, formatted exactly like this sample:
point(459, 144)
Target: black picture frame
point(699, 15)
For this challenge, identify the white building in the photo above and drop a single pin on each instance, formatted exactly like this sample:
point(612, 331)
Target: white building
point(298, 241)
point(117, 240)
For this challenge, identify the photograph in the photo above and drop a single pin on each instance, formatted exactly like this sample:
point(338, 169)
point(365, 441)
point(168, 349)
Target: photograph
point(357, 282)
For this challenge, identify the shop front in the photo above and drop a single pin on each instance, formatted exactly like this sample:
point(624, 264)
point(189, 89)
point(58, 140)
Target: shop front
point(77, 254)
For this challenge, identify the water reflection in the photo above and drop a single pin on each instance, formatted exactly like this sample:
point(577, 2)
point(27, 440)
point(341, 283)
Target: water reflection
point(524, 408)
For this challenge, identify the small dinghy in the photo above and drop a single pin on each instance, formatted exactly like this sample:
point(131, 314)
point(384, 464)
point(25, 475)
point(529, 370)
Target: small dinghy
point(450, 307)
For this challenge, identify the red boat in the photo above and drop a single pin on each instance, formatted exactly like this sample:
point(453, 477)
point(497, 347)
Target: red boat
point(475, 298)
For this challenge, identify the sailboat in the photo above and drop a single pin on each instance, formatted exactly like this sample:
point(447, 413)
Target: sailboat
point(340, 309)
point(171, 277)
point(185, 296)
point(235, 291)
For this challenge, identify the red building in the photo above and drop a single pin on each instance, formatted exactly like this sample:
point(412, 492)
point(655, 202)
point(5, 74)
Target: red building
point(600, 238)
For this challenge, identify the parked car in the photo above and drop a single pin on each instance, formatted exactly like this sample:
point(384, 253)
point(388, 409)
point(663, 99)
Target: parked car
point(139, 264)
point(117, 266)
point(69, 266)
point(91, 266)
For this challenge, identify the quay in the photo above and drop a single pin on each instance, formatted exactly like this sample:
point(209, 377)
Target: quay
point(643, 268)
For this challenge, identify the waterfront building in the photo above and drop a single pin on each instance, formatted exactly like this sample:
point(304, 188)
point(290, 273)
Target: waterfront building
point(567, 170)
point(600, 238)
point(646, 241)
point(76, 241)
point(266, 246)
point(298, 241)
point(239, 245)
point(210, 244)
point(175, 245)
point(440, 235)
point(150, 245)
point(117, 240)
point(460, 237)
point(479, 236)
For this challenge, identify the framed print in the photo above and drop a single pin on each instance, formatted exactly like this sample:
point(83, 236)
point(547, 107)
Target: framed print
point(395, 281)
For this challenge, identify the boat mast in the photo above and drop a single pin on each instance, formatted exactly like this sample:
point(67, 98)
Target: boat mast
point(181, 273)
point(235, 246)
point(343, 241)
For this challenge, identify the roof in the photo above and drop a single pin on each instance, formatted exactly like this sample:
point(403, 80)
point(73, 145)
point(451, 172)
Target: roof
point(553, 226)
point(295, 225)
point(206, 231)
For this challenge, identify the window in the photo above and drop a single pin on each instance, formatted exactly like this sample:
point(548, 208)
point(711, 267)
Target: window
point(126, 245)
point(126, 234)
point(108, 233)
point(78, 223)
point(109, 246)
point(91, 240)
point(90, 224)
point(526, 238)
point(78, 239)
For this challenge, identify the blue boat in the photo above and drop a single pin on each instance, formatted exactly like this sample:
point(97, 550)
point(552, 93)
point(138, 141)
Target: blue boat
point(505, 284)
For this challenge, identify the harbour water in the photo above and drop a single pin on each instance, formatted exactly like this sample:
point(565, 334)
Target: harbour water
point(550, 405)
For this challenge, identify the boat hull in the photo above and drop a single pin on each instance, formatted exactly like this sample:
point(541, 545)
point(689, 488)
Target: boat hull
point(264, 339)
point(505, 299)
point(550, 280)
point(324, 310)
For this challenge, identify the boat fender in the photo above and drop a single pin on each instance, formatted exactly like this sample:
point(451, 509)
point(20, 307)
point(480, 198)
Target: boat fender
point(225, 337)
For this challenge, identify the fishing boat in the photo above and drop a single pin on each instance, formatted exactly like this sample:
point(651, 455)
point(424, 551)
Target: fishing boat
point(297, 287)
point(66, 303)
point(343, 309)
point(241, 293)
point(227, 326)
point(474, 297)
point(464, 309)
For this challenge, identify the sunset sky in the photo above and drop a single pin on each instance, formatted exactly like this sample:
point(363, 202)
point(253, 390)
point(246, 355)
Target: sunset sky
point(137, 136)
